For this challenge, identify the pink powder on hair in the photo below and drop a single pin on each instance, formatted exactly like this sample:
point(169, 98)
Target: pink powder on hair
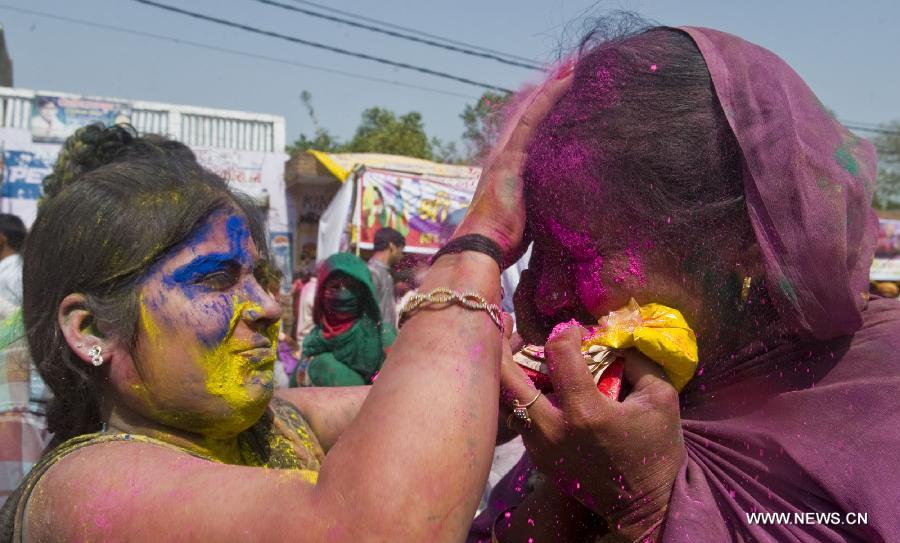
point(578, 244)
point(653, 67)
point(634, 266)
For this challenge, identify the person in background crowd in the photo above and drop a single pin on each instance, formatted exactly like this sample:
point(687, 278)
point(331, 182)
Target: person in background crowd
point(23, 398)
point(286, 362)
point(389, 245)
point(300, 277)
point(23, 427)
point(412, 270)
point(348, 344)
point(305, 304)
point(12, 237)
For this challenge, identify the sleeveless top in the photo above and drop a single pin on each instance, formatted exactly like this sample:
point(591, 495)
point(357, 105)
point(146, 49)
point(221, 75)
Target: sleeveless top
point(281, 439)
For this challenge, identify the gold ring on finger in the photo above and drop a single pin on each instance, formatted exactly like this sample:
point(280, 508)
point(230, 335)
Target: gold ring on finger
point(520, 411)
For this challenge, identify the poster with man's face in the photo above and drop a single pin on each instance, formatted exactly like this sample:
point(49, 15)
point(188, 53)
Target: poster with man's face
point(55, 118)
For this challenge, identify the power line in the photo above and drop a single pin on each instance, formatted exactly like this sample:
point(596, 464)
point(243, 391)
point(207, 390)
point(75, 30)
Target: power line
point(414, 31)
point(869, 127)
point(235, 52)
point(331, 48)
point(861, 123)
point(463, 50)
point(853, 125)
point(873, 130)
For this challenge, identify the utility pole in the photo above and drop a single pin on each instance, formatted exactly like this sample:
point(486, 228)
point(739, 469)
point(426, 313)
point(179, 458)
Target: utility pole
point(6, 67)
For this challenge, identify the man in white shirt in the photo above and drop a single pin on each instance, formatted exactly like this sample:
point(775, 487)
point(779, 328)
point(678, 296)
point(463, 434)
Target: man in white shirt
point(12, 237)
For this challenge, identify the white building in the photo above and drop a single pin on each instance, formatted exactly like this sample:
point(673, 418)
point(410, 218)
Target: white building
point(247, 149)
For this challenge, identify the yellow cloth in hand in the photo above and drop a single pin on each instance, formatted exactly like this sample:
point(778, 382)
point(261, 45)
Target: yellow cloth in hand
point(660, 332)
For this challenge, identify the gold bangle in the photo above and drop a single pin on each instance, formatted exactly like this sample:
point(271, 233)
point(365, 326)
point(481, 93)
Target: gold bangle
point(444, 295)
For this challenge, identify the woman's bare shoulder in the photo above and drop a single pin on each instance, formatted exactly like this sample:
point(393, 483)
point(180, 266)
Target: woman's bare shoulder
point(143, 491)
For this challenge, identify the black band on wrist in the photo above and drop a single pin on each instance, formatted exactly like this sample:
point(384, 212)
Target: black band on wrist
point(472, 242)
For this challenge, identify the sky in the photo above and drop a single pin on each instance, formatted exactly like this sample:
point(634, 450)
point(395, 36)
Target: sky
point(848, 53)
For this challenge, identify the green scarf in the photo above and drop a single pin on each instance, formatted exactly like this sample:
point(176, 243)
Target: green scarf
point(354, 356)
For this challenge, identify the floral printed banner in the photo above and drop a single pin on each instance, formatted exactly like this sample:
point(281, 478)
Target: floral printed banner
point(418, 207)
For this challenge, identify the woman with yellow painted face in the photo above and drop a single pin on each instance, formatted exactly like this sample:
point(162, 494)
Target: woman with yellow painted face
point(146, 315)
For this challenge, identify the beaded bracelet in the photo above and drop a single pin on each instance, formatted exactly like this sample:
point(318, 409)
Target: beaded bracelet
point(443, 295)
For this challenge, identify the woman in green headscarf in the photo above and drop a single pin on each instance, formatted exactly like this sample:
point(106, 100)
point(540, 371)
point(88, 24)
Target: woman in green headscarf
point(347, 345)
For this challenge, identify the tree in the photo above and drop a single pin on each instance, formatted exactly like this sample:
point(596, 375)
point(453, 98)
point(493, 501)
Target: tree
point(381, 131)
point(445, 152)
point(887, 195)
point(482, 123)
point(323, 139)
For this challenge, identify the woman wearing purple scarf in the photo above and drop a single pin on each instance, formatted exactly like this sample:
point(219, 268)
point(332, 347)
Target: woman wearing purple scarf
point(691, 168)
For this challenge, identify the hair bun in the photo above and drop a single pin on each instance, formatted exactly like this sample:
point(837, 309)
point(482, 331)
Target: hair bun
point(89, 148)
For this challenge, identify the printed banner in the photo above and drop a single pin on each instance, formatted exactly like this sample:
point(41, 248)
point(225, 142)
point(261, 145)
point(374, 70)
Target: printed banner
point(23, 171)
point(886, 266)
point(256, 174)
point(418, 208)
point(55, 118)
point(280, 246)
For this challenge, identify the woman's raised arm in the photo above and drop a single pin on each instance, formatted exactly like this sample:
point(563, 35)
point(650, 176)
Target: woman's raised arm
point(410, 467)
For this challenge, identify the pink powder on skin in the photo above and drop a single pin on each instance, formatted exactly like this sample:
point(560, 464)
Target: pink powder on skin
point(591, 289)
point(562, 327)
point(551, 293)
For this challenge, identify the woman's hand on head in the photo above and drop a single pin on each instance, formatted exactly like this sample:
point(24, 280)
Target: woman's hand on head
point(498, 206)
point(619, 459)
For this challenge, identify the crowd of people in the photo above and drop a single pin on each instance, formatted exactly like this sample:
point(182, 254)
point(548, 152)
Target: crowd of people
point(677, 166)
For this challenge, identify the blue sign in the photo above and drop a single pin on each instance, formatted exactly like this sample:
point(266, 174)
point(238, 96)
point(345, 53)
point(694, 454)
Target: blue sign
point(23, 172)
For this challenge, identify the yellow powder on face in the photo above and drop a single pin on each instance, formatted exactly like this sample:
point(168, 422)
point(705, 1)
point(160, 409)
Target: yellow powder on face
point(228, 373)
point(151, 329)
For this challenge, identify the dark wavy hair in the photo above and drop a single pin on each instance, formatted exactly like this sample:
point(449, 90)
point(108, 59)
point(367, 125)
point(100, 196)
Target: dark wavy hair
point(642, 133)
point(115, 203)
point(645, 119)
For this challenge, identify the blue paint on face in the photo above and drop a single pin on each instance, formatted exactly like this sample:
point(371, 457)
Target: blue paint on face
point(201, 267)
point(211, 274)
point(237, 232)
point(188, 276)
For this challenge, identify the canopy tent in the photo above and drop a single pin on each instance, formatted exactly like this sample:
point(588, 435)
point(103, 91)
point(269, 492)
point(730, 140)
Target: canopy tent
point(341, 165)
point(424, 207)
